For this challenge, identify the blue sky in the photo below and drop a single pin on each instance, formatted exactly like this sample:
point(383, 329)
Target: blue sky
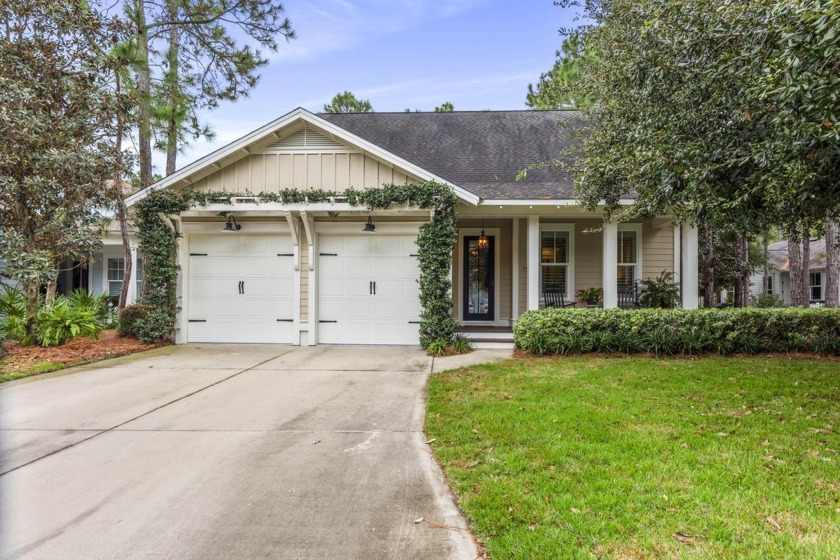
point(478, 54)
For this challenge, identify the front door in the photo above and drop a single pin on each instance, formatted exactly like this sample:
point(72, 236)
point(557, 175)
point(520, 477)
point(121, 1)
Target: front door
point(479, 283)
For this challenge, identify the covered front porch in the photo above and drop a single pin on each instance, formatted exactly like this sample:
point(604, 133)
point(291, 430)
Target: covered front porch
point(531, 250)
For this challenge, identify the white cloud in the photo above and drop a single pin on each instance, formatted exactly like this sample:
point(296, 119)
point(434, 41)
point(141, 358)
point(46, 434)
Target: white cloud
point(325, 26)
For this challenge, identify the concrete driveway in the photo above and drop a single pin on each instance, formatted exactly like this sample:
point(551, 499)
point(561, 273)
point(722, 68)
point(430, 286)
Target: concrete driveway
point(226, 452)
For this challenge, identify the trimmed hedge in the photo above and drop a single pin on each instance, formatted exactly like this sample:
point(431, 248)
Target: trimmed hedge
point(679, 331)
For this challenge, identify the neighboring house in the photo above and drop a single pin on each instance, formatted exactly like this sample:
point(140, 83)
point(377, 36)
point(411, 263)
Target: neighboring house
point(779, 278)
point(308, 274)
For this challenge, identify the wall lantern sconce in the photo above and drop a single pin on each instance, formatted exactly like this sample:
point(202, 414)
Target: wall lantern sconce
point(483, 242)
point(369, 227)
point(231, 225)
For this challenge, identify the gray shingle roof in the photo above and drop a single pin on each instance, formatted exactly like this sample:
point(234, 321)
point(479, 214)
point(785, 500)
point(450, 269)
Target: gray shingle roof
point(480, 151)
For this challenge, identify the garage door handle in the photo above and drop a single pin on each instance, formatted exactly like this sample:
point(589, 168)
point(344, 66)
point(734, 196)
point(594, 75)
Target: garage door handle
point(374, 287)
point(243, 287)
point(370, 288)
point(325, 321)
point(414, 322)
point(198, 320)
point(285, 320)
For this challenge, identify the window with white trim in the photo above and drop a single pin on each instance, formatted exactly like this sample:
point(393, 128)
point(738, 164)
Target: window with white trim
point(138, 274)
point(116, 272)
point(769, 283)
point(816, 286)
point(628, 258)
point(555, 260)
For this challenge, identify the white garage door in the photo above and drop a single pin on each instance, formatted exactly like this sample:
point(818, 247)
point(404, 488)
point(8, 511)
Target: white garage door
point(367, 289)
point(240, 288)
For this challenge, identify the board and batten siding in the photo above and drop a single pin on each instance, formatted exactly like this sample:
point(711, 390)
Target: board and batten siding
point(657, 247)
point(304, 281)
point(331, 171)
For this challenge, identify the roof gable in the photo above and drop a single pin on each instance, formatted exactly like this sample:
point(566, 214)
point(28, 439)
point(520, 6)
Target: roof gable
point(285, 134)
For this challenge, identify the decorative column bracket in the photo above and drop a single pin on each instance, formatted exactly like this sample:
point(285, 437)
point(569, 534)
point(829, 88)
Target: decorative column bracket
point(294, 228)
point(309, 227)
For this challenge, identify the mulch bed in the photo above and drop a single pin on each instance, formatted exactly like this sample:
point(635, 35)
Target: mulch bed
point(17, 358)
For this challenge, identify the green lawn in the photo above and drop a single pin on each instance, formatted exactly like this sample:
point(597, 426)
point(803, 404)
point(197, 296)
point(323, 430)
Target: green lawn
point(643, 457)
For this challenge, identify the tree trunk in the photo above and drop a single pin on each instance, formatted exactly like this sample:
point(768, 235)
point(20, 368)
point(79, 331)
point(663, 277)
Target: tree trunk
point(832, 263)
point(795, 260)
point(144, 96)
point(51, 286)
point(173, 84)
point(122, 213)
point(30, 291)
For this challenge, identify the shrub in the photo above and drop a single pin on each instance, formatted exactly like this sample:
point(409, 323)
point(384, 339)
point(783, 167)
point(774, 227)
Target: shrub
point(660, 291)
point(97, 304)
point(61, 321)
point(12, 313)
point(679, 331)
point(461, 344)
point(155, 325)
point(767, 300)
point(131, 317)
point(437, 347)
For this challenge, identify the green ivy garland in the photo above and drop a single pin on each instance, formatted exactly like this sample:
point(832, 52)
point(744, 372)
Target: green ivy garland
point(435, 244)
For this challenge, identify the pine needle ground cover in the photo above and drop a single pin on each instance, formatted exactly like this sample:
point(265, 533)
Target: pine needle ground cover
point(643, 457)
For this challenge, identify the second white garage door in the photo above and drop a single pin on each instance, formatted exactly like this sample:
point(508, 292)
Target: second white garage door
point(241, 288)
point(367, 289)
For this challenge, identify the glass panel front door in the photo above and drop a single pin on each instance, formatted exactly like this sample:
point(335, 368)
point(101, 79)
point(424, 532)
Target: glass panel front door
point(479, 293)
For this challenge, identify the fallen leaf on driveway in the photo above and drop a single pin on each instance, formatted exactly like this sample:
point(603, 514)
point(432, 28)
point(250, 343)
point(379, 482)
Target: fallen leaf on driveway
point(419, 520)
point(687, 539)
point(316, 442)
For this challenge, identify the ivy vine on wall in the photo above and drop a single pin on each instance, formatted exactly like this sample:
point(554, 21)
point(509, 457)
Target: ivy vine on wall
point(435, 243)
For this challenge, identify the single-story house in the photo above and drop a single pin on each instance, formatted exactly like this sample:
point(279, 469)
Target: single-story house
point(779, 276)
point(313, 273)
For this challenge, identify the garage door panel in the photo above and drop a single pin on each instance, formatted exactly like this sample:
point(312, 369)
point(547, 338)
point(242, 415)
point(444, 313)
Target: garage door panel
point(411, 309)
point(265, 331)
point(344, 290)
point(410, 268)
point(202, 308)
point(389, 245)
point(358, 266)
point(357, 244)
point(386, 268)
point(218, 312)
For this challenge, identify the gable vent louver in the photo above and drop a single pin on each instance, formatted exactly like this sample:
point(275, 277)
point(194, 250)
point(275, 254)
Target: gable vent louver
point(306, 140)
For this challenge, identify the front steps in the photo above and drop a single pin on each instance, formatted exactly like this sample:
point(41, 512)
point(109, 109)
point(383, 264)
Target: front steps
point(488, 337)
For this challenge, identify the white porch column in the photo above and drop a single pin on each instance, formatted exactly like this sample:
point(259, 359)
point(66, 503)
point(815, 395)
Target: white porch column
point(610, 265)
point(514, 280)
point(689, 278)
point(533, 262)
point(131, 296)
point(677, 254)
